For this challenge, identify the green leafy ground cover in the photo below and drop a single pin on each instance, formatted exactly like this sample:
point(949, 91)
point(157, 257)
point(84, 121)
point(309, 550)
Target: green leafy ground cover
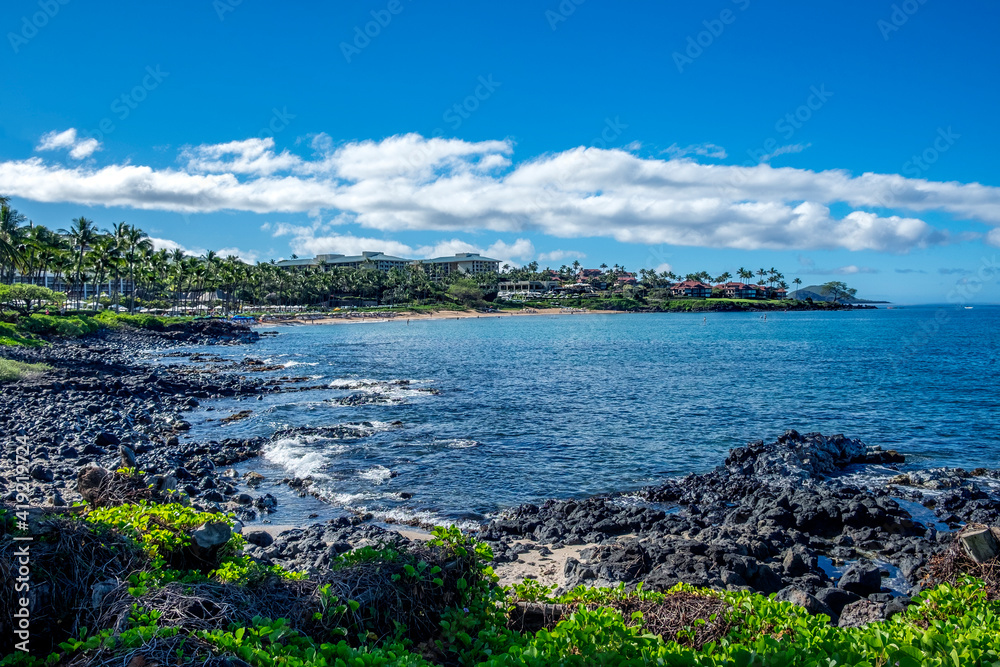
point(442, 606)
point(31, 330)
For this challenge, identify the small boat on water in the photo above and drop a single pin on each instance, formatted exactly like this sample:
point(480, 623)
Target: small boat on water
point(968, 307)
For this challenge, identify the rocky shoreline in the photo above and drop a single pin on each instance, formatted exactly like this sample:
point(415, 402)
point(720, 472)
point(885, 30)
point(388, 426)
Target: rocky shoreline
point(786, 517)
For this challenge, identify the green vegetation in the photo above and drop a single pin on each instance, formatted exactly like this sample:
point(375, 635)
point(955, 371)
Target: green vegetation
point(53, 325)
point(838, 290)
point(18, 370)
point(441, 605)
point(11, 336)
point(466, 292)
point(27, 330)
point(25, 298)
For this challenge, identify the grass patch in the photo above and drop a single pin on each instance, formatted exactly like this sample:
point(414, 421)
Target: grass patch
point(11, 337)
point(11, 371)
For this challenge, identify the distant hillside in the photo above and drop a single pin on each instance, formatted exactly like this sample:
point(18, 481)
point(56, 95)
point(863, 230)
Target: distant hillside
point(820, 293)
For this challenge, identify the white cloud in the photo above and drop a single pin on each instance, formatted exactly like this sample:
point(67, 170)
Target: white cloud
point(664, 268)
point(409, 182)
point(784, 150)
point(251, 156)
point(171, 245)
point(848, 270)
point(78, 148)
point(56, 140)
point(561, 256)
point(993, 237)
point(521, 250)
point(245, 256)
point(705, 150)
point(445, 248)
point(248, 256)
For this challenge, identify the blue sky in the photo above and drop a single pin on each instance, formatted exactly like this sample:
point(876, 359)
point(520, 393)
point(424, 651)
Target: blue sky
point(852, 140)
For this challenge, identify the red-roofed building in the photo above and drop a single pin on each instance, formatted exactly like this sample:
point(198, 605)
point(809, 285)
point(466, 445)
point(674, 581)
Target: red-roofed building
point(739, 290)
point(693, 288)
point(627, 279)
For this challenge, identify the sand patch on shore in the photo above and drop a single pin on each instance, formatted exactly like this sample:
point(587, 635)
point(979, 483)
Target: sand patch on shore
point(546, 569)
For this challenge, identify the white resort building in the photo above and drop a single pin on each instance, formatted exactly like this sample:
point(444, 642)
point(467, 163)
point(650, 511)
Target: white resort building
point(464, 262)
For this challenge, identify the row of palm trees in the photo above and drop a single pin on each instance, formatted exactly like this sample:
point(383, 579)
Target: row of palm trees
point(83, 260)
point(649, 278)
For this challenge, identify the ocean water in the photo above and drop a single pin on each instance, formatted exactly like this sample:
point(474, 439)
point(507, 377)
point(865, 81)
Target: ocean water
point(499, 411)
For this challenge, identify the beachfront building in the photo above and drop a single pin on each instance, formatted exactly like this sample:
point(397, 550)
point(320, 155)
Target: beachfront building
point(528, 285)
point(464, 262)
point(366, 260)
point(471, 263)
point(740, 290)
point(525, 289)
point(63, 283)
point(744, 291)
point(692, 288)
point(626, 279)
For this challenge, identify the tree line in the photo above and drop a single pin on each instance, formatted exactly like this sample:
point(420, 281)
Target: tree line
point(82, 258)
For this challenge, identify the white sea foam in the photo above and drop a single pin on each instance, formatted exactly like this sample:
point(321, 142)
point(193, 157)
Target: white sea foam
point(352, 383)
point(289, 364)
point(376, 475)
point(403, 515)
point(381, 426)
point(299, 458)
point(396, 388)
point(350, 500)
point(459, 443)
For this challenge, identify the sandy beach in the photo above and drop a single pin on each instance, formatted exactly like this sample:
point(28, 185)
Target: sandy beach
point(374, 318)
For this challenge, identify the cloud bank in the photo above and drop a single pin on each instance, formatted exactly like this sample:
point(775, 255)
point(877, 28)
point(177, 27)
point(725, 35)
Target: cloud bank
point(409, 182)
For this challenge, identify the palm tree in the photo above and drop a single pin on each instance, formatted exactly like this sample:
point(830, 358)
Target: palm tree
point(797, 281)
point(102, 260)
point(81, 235)
point(745, 274)
point(11, 240)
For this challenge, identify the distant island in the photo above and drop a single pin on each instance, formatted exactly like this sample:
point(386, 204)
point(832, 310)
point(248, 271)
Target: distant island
point(823, 293)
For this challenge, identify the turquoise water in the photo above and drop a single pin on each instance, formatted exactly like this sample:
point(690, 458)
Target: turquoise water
point(554, 406)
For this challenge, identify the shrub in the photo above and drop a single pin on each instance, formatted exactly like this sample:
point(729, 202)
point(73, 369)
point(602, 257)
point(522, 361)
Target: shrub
point(114, 320)
point(69, 327)
point(161, 529)
point(10, 336)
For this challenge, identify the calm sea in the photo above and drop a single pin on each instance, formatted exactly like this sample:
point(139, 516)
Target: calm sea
point(527, 408)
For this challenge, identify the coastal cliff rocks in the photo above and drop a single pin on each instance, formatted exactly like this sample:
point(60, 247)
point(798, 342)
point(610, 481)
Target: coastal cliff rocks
point(315, 548)
point(98, 407)
point(780, 516)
